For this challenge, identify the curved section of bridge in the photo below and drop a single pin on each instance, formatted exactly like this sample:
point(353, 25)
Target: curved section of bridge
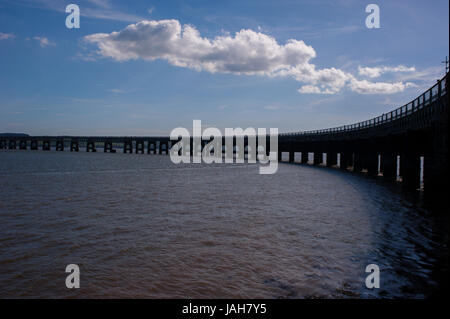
point(407, 145)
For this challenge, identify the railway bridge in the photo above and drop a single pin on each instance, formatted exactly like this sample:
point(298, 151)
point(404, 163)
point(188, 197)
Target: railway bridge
point(408, 145)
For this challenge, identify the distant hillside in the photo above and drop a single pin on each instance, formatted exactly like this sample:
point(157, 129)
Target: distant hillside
point(13, 135)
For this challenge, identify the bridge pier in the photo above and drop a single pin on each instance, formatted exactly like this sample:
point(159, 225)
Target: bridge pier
point(331, 159)
point(436, 166)
point(33, 145)
point(267, 146)
point(12, 145)
point(165, 147)
point(128, 146)
point(60, 145)
point(358, 161)
point(46, 145)
point(372, 163)
point(140, 146)
point(291, 156)
point(389, 166)
point(22, 145)
point(436, 183)
point(246, 149)
point(151, 148)
point(90, 146)
point(410, 170)
point(108, 147)
point(345, 160)
point(304, 157)
point(74, 146)
point(318, 158)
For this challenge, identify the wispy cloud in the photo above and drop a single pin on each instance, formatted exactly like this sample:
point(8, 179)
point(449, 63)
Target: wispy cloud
point(6, 36)
point(426, 76)
point(101, 3)
point(366, 87)
point(311, 89)
point(97, 9)
point(247, 52)
point(379, 70)
point(43, 41)
point(271, 107)
point(119, 91)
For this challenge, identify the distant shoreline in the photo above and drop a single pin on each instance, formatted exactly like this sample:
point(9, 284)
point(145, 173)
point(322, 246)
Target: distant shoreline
point(13, 135)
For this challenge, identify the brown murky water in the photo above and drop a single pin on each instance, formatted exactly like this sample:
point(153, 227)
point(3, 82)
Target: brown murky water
point(140, 226)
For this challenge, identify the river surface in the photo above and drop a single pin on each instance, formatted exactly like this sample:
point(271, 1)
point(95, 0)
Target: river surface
point(140, 226)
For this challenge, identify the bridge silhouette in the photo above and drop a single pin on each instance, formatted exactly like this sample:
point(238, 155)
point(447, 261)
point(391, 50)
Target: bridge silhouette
point(407, 145)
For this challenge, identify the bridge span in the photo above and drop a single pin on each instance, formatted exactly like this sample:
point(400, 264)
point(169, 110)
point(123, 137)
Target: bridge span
point(407, 145)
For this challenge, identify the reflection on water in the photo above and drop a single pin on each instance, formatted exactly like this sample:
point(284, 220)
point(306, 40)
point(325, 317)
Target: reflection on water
point(140, 226)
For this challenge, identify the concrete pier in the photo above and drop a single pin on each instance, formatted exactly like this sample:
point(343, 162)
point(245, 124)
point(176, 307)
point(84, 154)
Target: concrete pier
point(291, 157)
point(331, 159)
point(12, 145)
point(318, 158)
point(23, 145)
point(410, 170)
point(151, 147)
point(128, 146)
point(140, 147)
point(108, 147)
point(90, 147)
point(304, 157)
point(163, 147)
point(346, 160)
point(389, 166)
point(46, 145)
point(60, 145)
point(74, 146)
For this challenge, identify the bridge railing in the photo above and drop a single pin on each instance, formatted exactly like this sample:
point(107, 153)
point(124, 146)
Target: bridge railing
point(422, 101)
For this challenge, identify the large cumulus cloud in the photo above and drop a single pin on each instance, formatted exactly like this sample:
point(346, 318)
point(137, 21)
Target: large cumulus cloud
point(247, 52)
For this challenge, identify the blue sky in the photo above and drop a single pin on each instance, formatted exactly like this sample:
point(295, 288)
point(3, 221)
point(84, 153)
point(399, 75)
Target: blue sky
point(150, 78)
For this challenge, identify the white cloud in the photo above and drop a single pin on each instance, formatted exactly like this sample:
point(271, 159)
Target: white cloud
point(43, 41)
point(6, 36)
point(426, 76)
point(247, 52)
point(366, 87)
point(311, 89)
point(377, 71)
point(116, 91)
